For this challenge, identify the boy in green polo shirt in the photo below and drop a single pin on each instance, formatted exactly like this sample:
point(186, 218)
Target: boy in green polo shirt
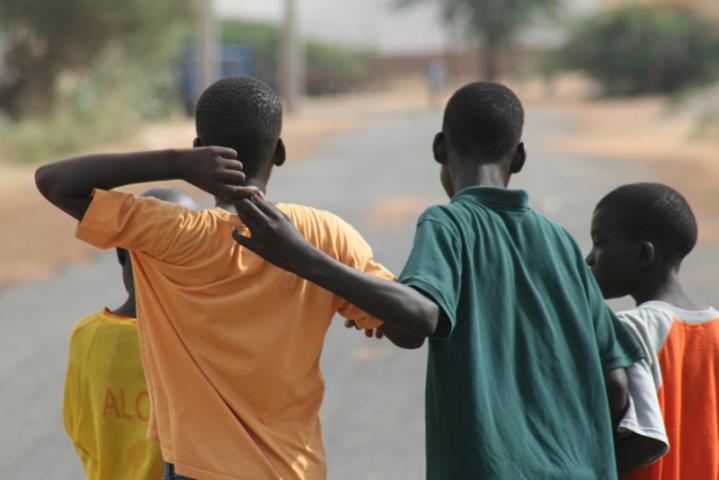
point(525, 373)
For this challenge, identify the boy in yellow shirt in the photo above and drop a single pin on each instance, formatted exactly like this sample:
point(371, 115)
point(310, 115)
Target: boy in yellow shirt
point(230, 343)
point(107, 405)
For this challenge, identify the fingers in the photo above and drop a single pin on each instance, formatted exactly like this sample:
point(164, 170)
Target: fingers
point(351, 324)
point(267, 208)
point(232, 177)
point(247, 218)
point(248, 207)
point(224, 152)
point(244, 241)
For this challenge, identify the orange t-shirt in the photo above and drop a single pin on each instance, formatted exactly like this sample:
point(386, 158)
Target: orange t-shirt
point(230, 343)
point(677, 383)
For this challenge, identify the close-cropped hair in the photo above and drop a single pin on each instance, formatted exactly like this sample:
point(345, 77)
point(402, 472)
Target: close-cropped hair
point(483, 118)
point(240, 113)
point(654, 212)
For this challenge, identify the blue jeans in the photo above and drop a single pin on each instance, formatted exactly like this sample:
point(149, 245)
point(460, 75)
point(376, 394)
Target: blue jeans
point(170, 474)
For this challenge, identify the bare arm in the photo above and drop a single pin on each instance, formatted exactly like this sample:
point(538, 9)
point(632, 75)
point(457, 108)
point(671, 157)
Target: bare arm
point(400, 338)
point(69, 183)
point(616, 383)
point(277, 240)
point(634, 451)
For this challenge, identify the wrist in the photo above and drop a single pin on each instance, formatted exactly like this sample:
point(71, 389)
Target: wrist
point(307, 262)
point(178, 163)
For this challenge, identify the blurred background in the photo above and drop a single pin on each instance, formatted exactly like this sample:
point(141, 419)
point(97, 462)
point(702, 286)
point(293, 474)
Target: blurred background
point(615, 92)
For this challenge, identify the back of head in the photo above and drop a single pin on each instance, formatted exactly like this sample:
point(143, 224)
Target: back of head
point(240, 113)
point(656, 213)
point(485, 120)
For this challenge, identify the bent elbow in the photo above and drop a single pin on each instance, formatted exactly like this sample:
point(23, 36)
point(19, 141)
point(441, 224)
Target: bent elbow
point(43, 181)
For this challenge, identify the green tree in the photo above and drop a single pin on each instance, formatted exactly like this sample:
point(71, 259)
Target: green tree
point(494, 23)
point(42, 39)
point(638, 50)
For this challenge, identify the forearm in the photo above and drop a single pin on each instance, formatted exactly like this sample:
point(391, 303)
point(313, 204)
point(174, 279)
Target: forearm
point(69, 183)
point(401, 338)
point(399, 306)
point(616, 384)
point(634, 451)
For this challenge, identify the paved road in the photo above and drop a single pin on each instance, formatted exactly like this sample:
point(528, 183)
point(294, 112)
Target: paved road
point(377, 178)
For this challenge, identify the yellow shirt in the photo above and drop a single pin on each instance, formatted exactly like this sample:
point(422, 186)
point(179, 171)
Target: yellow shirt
point(231, 344)
point(106, 404)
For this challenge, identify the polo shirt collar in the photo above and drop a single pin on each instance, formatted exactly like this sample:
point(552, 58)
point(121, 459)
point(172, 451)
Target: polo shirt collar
point(496, 196)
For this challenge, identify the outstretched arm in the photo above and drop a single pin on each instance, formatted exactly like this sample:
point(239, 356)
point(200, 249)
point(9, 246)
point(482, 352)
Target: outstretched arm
point(277, 240)
point(69, 183)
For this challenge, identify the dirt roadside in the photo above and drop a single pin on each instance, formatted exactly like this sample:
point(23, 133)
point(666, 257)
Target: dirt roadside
point(645, 129)
point(39, 239)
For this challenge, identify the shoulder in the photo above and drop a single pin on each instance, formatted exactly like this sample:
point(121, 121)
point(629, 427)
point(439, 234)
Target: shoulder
point(650, 324)
point(446, 216)
point(307, 218)
point(84, 331)
point(324, 229)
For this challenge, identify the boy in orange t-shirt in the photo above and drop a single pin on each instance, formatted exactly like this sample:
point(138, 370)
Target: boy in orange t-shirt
point(641, 233)
point(106, 405)
point(230, 343)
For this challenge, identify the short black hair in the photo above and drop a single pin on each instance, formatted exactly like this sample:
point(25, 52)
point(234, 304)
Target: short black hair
point(483, 118)
point(240, 113)
point(653, 212)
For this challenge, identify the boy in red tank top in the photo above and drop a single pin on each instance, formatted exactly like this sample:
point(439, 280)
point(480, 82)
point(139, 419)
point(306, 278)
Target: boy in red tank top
point(640, 235)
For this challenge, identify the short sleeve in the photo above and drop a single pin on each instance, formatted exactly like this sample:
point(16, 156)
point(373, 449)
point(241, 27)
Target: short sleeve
point(617, 346)
point(644, 415)
point(340, 240)
point(162, 230)
point(434, 268)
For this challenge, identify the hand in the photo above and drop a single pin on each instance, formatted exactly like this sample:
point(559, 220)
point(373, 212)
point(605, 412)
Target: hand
point(369, 332)
point(273, 236)
point(216, 170)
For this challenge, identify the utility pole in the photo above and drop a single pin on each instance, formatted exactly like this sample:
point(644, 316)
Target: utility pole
point(207, 52)
point(291, 66)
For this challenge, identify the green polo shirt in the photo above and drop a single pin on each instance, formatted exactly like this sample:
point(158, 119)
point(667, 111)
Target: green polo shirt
point(515, 385)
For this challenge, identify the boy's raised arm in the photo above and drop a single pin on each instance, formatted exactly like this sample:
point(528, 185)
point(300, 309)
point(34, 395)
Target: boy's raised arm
point(68, 184)
point(277, 240)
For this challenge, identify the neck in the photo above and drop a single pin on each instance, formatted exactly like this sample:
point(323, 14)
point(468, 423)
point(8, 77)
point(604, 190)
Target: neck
point(128, 308)
point(665, 288)
point(260, 183)
point(471, 174)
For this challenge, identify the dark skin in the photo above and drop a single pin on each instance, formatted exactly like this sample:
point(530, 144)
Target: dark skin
point(68, 184)
point(409, 317)
point(128, 308)
point(638, 268)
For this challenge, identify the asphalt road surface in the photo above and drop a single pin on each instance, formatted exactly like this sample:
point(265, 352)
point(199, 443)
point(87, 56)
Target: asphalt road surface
point(379, 179)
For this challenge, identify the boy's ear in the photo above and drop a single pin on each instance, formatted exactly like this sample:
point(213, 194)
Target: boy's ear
point(520, 157)
point(439, 148)
point(280, 153)
point(196, 142)
point(647, 254)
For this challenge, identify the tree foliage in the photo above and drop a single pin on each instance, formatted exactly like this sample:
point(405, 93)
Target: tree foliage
point(44, 38)
point(330, 67)
point(639, 50)
point(495, 23)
